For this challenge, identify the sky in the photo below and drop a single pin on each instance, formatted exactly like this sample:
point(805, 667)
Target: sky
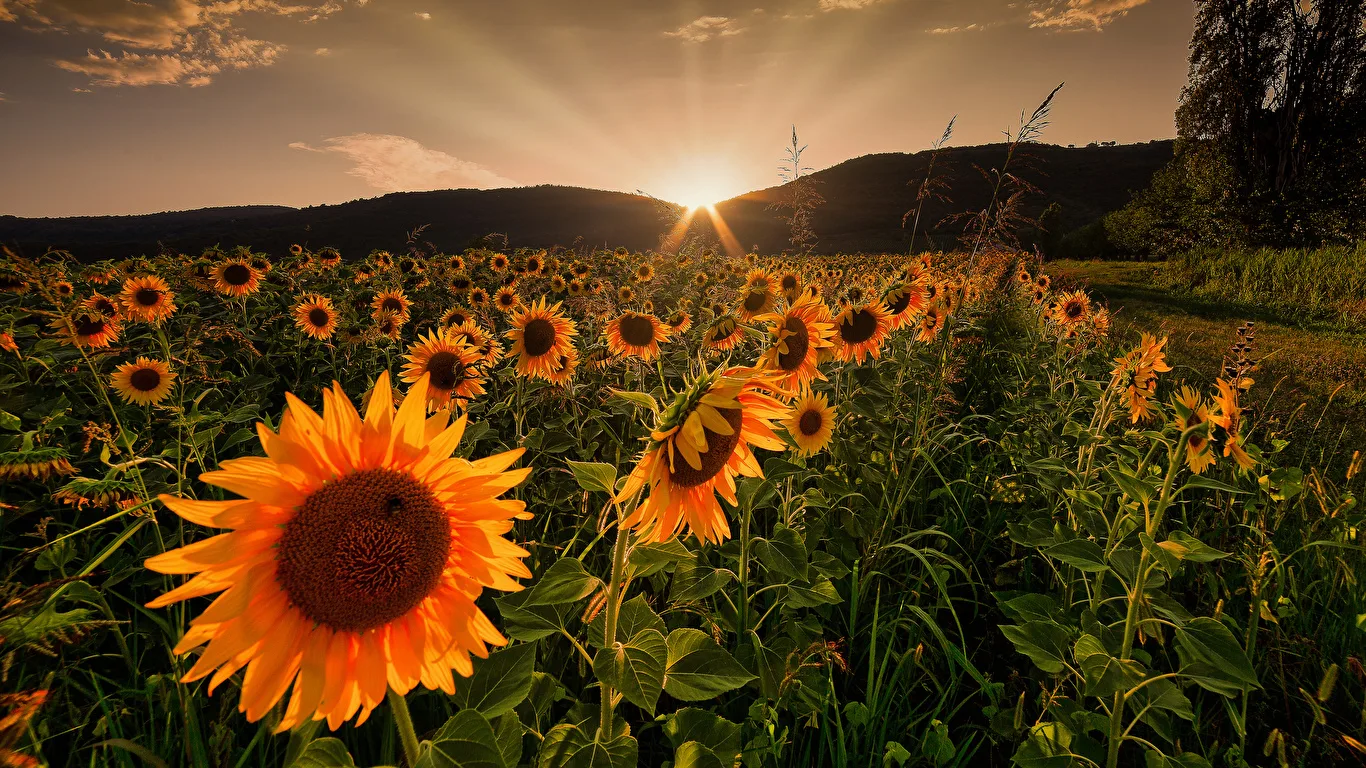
point(138, 106)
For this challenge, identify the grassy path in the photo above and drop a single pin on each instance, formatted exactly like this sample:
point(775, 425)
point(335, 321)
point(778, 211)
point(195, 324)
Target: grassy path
point(1311, 384)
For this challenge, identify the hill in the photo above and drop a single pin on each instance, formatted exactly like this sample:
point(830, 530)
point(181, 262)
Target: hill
point(865, 200)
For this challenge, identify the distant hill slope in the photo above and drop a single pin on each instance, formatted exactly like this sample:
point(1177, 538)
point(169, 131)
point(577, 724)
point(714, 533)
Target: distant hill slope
point(865, 200)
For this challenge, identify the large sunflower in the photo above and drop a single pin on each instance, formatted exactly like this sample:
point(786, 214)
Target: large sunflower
point(1073, 308)
point(796, 338)
point(633, 334)
point(315, 316)
point(236, 278)
point(811, 422)
point(541, 338)
point(394, 302)
point(723, 334)
point(1192, 409)
point(903, 302)
point(144, 382)
point(698, 447)
point(506, 299)
point(104, 305)
point(930, 324)
point(354, 561)
point(860, 331)
point(757, 295)
point(147, 299)
point(86, 328)
point(446, 355)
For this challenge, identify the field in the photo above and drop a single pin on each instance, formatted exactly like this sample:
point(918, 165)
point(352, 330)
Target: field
point(613, 508)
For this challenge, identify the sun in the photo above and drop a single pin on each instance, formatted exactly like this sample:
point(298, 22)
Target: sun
point(701, 182)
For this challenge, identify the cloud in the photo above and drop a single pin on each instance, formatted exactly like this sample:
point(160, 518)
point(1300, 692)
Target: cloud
point(400, 164)
point(847, 5)
point(705, 28)
point(956, 29)
point(322, 52)
point(1080, 14)
point(423, 15)
point(162, 42)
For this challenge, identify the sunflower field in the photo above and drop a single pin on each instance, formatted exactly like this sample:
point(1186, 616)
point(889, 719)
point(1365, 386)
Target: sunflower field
point(603, 509)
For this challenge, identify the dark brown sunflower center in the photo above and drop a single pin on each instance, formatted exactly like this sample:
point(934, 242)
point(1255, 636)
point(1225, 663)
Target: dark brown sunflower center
point(719, 449)
point(391, 304)
point(797, 343)
point(755, 301)
point(898, 303)
point(318, 317)
point(87, 325)
point(637, 330)
point(810, 423)
point(858, 327)
point(1073, 309)
point(533, 265)
point(789, 283)
point(461, 283)
point(364, 550)
point(106, 307)
point(446, 370)
point(147, 297)
point(145, 379)
point(237, 274)
point(406, 266)
point(538, 337)
point(506, 299)
point(457, 318)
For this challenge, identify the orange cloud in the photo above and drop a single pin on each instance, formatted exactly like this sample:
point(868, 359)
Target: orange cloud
point(400, 164)
point(1081, 14)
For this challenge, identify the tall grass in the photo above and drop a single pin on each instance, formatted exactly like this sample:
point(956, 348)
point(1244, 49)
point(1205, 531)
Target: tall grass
point(1320, 283)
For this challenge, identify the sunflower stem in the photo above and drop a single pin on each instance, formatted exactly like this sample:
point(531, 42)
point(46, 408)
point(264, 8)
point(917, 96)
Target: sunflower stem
point(403, 722)
point(609, 625)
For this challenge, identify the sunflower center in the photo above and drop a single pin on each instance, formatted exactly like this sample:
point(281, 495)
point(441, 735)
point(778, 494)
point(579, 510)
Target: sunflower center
point(364, 550)
point(538, 337)
point(719, 449)
point(898, 305)
point(147, 297)
point(105, 306)
point(858, 327)
point(637, 330)
point(318, 317)
point(755, 301)
point(145, 379)
point(446, 370)
point(810, 423)
point(237, 274)
point(458, 318)
point(391, 304)
point(789, 283)
point(1073, 309)
point(798, 340)
point(89, 326)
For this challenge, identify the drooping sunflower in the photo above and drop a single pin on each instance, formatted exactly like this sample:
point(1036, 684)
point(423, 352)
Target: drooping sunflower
point(452, 364)
point(903, 302)
point(479, 297)
point(315, 316)
point(680, 321)
point(701, 442)
point(506, 299)
point(541, 337)
point(791, 286)
point(12, 282)
point(757, 295)
point(796, 338)
point(1192, 409)
point(723, 334)
point(393, 302)
point(632, 334)
point(86, 328)
point(147, 299)
point(1229, 417)
point(329, 257)
point(564, 368)
point(388, 324)
point(461, 284)
point(810, 422)
point(1135, 374)
point(581, 269)
point(860, 331)
point(489, 348)
point(144, 382)
point(106, 306)
point(353, 562)
point(236, 278)
point(930, 323)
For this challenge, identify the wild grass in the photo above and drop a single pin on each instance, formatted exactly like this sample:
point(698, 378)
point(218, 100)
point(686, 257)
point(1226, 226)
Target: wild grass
point(1323, 284)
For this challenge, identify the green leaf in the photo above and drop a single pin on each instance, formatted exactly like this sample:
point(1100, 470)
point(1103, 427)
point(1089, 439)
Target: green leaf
point(1082, 554)
point(1187, 547)
point(1044, 642)
point(635, 615)
point(714, 732)
point(521, 622)
point(466, 740)
point(567, 746)
point(500, 682)
point(1210, 484)
point(1207, 641)
point(1104, 674)
point(638, 399)
point(819, 592)
point(324, 753)
point(636, 667)
point(698, 668)
point(1132, 486)
point(649, 559)
point(783, 553)
point(692, 583)
point(9, 421)
point(1031, 607)
point(594, 476)
point(564, 582)
point(692, 754)
point(1169, 562)
point(508, 730)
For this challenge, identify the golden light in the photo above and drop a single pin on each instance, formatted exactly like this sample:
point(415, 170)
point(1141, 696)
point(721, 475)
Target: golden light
point(700, 182)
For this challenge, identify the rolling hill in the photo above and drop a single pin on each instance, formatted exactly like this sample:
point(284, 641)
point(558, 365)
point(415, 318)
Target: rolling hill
point(865, 200)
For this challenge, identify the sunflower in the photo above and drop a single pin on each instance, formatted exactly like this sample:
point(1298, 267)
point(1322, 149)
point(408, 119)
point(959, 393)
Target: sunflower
point(860, 331)
point(236, 278)
point(564, 368)
point(576, 288)
point(296, 250)
point(489, 349)
point(1073, 308)
point(811, 422)
point(452, 364)
point(633, 334)
point(315, 316)
point(796, 338)
point(506, 300)
point(679, 322)
point(144, 382)
point(479, 297)
point(395, 303)
point(87, 328)
point(388, 324)
point(644, 273)
point(31, 463)
point(757, 295)
point(499, 263)
point(456, 263)
point(625, 294)
point(354, 561)
point(791, 286)
point(541, 337)
point(723, 334)
point(1192, 410)
point(461, 284)
point(409, 266)
point(1229, 418)
point(930, 323)
point(534, 264)
point(696, 449)
point(1136, 375)
point(580, 269)
point(903, 302)
point(7, 342)
point(700, 279)
point(557, 284)
point(11, 282)
point(382, 259)
point(330, 257)
point(147, 299)
point(64, 288)
point(455, 316)
point(104, 305)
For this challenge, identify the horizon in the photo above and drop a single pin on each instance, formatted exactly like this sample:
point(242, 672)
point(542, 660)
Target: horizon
point(183, 105)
